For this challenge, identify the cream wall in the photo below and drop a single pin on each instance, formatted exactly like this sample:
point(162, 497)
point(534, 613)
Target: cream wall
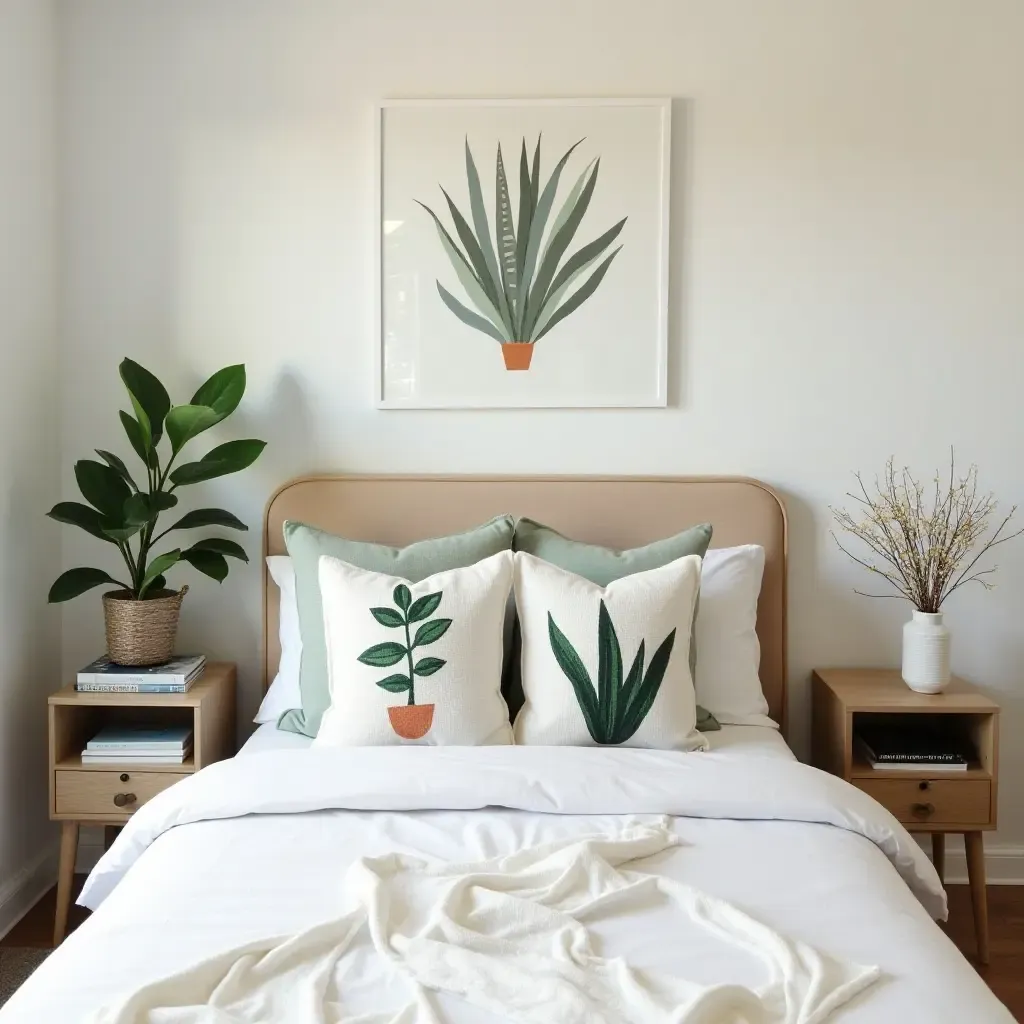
point(29, 416)
point(847, 254)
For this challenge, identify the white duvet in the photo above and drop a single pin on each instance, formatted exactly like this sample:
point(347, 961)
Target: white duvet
point(250, 852)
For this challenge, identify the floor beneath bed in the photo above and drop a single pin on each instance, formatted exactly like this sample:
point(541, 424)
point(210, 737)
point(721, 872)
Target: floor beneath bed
point(1004, 974)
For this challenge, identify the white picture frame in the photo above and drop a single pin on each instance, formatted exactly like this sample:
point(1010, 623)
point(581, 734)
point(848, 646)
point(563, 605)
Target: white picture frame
point(450, 336)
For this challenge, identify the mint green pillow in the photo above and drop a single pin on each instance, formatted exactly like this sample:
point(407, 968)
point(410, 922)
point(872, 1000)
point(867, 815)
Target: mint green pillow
point(414, 563)
point(602, 566)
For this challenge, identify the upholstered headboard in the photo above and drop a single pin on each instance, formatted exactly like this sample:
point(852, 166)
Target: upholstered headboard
point(616, 511)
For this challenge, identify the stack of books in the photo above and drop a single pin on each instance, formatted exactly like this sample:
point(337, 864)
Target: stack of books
point(891, 748)
point(114, 745)
point(174, 676)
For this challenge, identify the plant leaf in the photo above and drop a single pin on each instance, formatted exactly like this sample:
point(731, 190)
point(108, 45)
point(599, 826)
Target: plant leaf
point(575, 671)
point(428, 666)
point(222, 546)
point(424, 607)
point(483, 235)
point(136, 438)
point(550, 302)
point(505, 236)
point(116, 464)
point(208, 517)
point(395, 684)
point(388, 617)
point(522, 233)
point(473, 250)
point(186, 421)
point(631, 683)
point(77, 581)
point(647, 691)
point(210, 563)
point(383, 655)
point(82, 516)
point(402, 596)
point(231, 457)
point(148, 395)
point(585, 256)
point(142, 508)
point(158, 583)
point(468, 317)
point(609, 669)
point(430, 632)
point(158, 567)
point(580, 296)
point(535, 178)
point(102, 487)
point(223, 391)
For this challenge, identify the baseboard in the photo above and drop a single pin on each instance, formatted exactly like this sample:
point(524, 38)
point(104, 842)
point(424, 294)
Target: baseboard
point(22, 891)
point(1004, 864)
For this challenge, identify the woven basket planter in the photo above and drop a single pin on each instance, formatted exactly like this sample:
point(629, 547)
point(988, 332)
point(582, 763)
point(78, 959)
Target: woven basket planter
point(141, 632)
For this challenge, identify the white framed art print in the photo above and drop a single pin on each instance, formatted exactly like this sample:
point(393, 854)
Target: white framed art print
point(522, 253)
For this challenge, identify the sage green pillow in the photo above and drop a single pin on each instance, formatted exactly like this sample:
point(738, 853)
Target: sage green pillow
point(603, 565)
point(414, 563)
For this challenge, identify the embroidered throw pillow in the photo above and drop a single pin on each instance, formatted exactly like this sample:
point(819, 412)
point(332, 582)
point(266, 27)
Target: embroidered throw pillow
point(415, 662)
point(607, 665)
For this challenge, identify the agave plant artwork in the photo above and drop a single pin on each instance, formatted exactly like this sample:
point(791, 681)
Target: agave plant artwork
point(516, 274)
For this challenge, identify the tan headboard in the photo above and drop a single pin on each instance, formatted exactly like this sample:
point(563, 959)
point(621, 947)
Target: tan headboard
point(616, 511)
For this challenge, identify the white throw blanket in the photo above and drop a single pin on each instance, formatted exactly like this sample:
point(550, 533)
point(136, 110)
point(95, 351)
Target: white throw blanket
point(507, 935)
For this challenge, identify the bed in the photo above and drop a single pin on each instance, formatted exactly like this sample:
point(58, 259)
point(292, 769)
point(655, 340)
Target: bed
point(261, 848)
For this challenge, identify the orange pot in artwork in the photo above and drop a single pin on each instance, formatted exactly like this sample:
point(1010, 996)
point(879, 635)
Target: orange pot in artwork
point(411, 721)
point(517, 354)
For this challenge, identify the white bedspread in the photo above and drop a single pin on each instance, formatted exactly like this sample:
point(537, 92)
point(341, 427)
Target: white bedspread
point(785, 846)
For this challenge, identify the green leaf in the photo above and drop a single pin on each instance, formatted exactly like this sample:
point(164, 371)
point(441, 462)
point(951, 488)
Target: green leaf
point(505, 237)
point(82, 516)
point(483, 235)
point(116, 464)
point(141, 508)
point(208, 517)
point(222, 546)
point(523, 231)
point(148, 395)
point(223, 391)
point(428, 666)
point(535, 178)
point(102, 487)
point(575, 671)
point(431, 632)
point(77, 581)
point(582, 257)
point(158, 583)
point(156, 568)
point(647, 691)
point(609, 669)
point(473, 250)
point(424, 607)
point(211, 563)
point(468, 317)
point(388, 617)
point(395, 684)
point(580, 296)
point(120, 533)
point(186, 421)
point(136, 438)
point(231, 457)
point(402, 596)
point(383, 655)
point(549, 306)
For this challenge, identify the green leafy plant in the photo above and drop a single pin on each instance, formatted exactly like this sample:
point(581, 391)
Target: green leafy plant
point(519, 285)
point(616, 707)
point(125, 513)
point(405, 613)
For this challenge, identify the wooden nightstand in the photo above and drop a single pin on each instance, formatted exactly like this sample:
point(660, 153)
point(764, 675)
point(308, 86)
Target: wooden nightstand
point(104, 795)
point(924, 801)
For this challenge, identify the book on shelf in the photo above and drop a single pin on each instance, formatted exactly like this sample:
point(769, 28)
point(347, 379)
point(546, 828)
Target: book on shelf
point(119, 739)
point(888, 748)
point(137, 758)
point(174, 676)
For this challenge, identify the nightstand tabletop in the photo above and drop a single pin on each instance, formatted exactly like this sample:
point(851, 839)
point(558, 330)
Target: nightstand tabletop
point(214, 674)
point(883, 689)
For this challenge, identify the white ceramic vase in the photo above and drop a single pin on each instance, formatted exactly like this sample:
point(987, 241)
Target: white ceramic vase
point(926, 653)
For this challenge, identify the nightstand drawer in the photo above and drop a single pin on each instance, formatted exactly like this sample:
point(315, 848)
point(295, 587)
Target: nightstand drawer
point(101, 792)
point(939, 801)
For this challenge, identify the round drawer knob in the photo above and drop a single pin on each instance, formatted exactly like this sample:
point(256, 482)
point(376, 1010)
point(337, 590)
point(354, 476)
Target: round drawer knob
point(923, 810)
point(123, 799)
point(920, 785)
point(125, 777)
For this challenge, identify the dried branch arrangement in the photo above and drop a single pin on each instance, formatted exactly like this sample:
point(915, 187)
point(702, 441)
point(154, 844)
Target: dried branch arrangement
point(925, 549)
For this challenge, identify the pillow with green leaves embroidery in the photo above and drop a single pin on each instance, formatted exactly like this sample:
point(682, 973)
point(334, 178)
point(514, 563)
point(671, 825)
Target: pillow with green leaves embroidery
point(607, 666)
point(415, 662)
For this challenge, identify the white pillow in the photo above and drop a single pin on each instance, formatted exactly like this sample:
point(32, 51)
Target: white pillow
point(728, 652)
point(442, 637)
point(283, 694)
point(584, 677)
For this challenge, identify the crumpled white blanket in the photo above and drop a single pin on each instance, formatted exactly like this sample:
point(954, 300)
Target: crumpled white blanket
point(508, 935)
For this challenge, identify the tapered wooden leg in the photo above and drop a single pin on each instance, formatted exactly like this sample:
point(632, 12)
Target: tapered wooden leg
point(65, 878)
point(939, 854)
point(979, 898)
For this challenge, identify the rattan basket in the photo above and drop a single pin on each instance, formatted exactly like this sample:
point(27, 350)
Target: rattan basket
point(141, 632)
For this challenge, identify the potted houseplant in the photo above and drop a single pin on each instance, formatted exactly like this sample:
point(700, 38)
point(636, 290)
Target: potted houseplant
point(925, 548)
point(141, 616)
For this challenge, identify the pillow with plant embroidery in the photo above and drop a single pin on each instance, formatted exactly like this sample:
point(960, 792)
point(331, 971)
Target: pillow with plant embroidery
point(415, 662)
point(607, 666)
